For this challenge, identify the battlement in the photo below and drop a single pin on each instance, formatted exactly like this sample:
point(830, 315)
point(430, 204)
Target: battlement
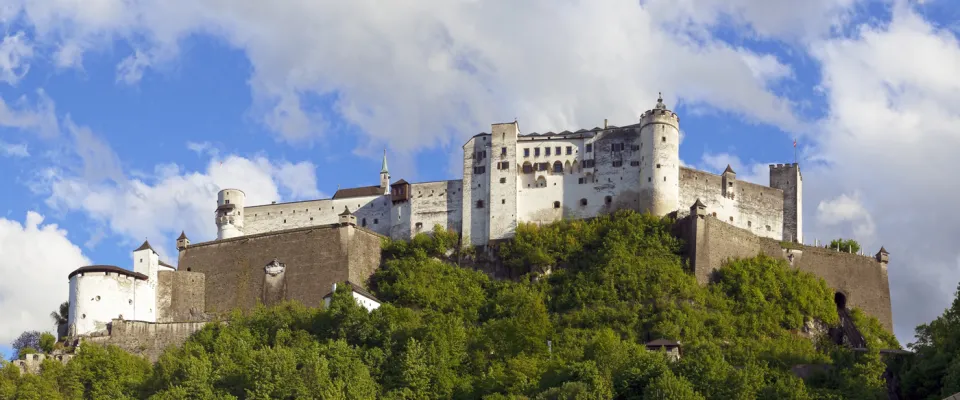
point(782, 167)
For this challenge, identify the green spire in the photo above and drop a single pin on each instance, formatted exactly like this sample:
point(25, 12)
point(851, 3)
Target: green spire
point(383, 169)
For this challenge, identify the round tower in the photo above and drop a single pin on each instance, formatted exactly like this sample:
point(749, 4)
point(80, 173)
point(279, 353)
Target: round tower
point(660, 160)
point(230, 213)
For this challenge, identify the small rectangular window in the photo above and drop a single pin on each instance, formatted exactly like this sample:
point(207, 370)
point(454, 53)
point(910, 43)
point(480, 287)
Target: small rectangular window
point(580, 181)
point(589, 147)
point(526, 152)
point(634, 163)
point(618, 163)
point(558, 150)
point(536, 152)
point(503, 151)
point(634, 147)
point(503, 180)
point(548, 151)
point(569, 150)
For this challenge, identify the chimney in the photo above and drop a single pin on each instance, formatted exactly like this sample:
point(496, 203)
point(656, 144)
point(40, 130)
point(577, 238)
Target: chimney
point(604, 123)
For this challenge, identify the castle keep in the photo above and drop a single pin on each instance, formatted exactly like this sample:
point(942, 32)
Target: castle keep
point(299, 250)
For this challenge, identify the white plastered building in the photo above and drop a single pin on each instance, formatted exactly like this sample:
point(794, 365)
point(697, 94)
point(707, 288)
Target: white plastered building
point(101, 293)
point(511, 178)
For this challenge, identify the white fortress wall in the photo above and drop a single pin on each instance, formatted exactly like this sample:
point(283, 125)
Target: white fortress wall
point(374, 211)
point(476, 190)
point(435, 203)
point(753, 207)
point(98, 297)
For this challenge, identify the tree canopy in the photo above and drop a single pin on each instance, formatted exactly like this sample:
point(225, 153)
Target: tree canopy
point(444, 331)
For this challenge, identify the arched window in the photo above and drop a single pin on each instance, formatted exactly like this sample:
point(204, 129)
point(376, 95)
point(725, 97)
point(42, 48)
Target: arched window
point(583, 202)
point(541, 181)
point(556, 204)
point(557, 167)
point(608, 200)
point(527, 167)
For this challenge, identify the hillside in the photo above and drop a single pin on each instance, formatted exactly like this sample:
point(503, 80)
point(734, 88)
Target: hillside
point(574, 327)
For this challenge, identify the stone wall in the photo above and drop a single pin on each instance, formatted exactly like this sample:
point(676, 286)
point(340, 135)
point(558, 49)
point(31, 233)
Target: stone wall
point(146, 339)
point(373, 212)
point(434, 203)
point(31, 363)
point(862, 280)
point(314, 259)
point(756, 208)
point(180, 296)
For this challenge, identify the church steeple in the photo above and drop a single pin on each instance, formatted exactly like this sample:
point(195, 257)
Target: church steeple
point(384, 175)
point(383, 169)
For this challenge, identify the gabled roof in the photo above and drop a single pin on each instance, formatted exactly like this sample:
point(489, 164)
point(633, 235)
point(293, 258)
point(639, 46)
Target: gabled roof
point(730, 170)
point(698, 203)
point(400, 182)
point(167, 265)
point(883, 250)
point(144, 246)
point(346, 211)
point(365, 191)
point(182, 236)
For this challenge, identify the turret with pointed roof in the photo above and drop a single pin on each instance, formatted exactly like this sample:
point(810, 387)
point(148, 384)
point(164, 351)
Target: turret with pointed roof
point(347, 218)
point(182, 241)
point(384, 175)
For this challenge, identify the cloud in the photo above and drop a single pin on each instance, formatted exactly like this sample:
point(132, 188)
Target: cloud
point(13, 150)
point(157, 205)
point(37, 116)
point(885, 153)
point(437, 67)
point(15, 51)
point(36, 260)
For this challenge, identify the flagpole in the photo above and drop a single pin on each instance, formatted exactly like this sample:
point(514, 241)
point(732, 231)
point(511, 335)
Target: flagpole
point(794, 150)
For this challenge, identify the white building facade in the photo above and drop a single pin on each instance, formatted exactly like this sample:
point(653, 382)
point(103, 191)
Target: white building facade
point(511, 178)
point(100, 293)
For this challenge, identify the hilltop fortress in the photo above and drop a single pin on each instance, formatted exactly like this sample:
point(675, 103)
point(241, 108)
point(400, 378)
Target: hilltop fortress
point(509, 178)
point(299, 250)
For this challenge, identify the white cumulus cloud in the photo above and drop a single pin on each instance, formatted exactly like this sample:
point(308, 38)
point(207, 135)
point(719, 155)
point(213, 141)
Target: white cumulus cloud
point(36, 260)
point(431, 72)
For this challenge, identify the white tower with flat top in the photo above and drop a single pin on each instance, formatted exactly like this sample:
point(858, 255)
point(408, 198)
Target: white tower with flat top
point(230, 213)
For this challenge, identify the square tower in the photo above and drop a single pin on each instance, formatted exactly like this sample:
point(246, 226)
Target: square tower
point(787, 178)
point(502, 166)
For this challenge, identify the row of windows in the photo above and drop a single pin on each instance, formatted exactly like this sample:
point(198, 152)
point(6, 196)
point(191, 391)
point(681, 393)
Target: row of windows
point(556, 204)
point(536, 151)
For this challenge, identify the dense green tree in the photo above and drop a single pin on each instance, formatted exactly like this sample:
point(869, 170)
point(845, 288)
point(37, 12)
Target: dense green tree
point(603, 289)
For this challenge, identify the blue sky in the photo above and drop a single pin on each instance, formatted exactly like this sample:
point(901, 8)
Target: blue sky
point(122, 120)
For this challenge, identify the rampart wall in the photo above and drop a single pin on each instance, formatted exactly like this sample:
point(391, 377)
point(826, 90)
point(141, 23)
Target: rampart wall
point(373, 212)
point(147, 339)
point(313, 258)
point(180, 296)
point(862, 280)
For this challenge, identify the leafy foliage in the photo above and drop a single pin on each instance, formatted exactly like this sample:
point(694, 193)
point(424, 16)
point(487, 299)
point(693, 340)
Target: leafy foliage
point(844, 245)
point(446, 332)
